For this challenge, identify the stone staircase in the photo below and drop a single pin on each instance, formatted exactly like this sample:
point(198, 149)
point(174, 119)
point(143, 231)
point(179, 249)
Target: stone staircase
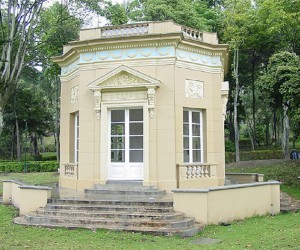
point(120, 207)
point(288, 204)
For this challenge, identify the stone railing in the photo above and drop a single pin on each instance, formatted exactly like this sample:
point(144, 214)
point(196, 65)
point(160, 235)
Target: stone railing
point(195, 175)
point(192, 33)
point(196, 170)
point(125, 30)
point(70, 170)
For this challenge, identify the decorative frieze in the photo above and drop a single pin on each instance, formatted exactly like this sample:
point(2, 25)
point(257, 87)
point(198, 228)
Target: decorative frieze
point(124, 79)
point(151, 102)
point(74, 94)
point(97, 99)
point(193, 89)
point(123, 96)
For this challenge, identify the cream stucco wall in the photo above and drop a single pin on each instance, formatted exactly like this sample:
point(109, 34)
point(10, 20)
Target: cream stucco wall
point(229, 203)
point(163, 60)
point(17, 194)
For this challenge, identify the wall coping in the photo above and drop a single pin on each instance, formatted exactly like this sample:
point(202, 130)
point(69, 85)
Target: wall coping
point(28, 186)
point(206, 190)
point(243, 174)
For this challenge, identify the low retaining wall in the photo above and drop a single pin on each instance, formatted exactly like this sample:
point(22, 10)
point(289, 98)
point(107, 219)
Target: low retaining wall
point(239, 178)
point(228, 203)
point(27, 198)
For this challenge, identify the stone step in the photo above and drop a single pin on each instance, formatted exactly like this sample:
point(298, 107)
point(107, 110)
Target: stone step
point(134, 209)
point(183, 232)
point(126, 191)
point(111, 214)
point(128, 202)
point(116, 185)
point(112, 208)
point(36, 219)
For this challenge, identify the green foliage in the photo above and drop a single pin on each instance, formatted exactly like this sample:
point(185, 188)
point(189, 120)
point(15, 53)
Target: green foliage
point(254, 155)
point(50, 156)
point(115, 13)
point(32, 166)
point(29, 104)
point(281, 81)
point(56, 28)
point(229, 146)
point(195, 14)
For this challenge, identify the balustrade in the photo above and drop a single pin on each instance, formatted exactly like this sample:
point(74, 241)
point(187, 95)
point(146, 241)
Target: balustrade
point(70, 170)
point(125, 30)
point(192, 34)
point(196, 171)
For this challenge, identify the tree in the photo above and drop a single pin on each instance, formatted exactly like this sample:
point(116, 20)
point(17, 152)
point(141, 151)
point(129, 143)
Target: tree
point(281, 83)
point(28, 110)
point(56, 28)
point(236, 19)
point(17, 20)
point(195, 14)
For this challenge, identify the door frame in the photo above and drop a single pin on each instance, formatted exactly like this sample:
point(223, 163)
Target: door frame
point(105, 136)
point(128, 170)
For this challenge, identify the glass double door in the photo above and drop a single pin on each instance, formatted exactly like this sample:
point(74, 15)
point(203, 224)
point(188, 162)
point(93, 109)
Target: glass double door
point(126, 144)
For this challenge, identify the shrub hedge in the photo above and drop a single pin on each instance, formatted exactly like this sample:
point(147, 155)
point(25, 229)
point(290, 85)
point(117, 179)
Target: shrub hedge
point(32, 166)
point(255, 155)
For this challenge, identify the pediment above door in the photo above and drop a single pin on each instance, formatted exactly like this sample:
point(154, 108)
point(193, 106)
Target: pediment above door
point(121, 80)
point(123, 77)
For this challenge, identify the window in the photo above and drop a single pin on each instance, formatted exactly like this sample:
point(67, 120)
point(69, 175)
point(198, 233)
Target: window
point(76, 138)
point(127, 135)
point(192, 136)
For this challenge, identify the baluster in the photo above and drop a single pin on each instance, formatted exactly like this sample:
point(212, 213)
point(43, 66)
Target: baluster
point(202, 172)
point(198, 172)
point(194, 172)
point(206, 171)
point(188, 172)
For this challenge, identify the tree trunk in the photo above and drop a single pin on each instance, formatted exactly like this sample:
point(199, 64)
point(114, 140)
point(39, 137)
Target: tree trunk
point(18, 141)
point(236, 95)
point(12, 145)
point(275, 127)
point(34, 141)
point(42, 143)
point(253, 101)
point(1, 120)
point(267, 133)
point(286, 133)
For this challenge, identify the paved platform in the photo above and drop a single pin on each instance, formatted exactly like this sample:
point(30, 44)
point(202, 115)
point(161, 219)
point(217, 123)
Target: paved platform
point(63, 193)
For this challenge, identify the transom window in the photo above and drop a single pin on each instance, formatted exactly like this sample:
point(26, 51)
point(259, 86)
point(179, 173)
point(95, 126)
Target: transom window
point(192, 136)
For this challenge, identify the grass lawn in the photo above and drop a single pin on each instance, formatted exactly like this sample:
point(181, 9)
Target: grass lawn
point(268, 232)
point(279, 232)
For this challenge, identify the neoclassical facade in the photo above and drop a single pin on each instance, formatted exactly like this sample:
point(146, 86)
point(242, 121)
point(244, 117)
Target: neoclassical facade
point(143, 102)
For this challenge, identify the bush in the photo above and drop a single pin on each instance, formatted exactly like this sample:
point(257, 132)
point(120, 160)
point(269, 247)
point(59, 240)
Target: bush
point(38, 157)
point(49, 158)
point(229, 146)
point(255, 155)
point(32, 166)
